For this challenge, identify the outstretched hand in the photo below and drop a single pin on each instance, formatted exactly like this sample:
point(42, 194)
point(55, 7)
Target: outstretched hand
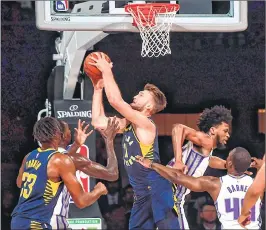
point(80, 133)
point(111, 129)
point(101, 63)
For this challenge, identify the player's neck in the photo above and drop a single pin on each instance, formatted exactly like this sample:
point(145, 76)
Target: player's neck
point(214, 143)
point(234, 174)
point(49, 146)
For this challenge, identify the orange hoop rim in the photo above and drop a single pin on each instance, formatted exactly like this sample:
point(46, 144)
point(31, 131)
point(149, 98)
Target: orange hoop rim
point(151, 9)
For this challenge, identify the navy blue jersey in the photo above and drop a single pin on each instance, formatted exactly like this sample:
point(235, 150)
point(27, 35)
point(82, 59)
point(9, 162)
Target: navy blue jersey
point(139, 177)
point(38, 194)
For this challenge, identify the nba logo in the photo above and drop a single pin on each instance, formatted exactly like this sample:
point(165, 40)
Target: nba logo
point(62, 5)
point(82, 177)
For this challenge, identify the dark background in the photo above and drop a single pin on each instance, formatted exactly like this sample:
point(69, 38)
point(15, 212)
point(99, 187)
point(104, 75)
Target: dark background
point(203, 70)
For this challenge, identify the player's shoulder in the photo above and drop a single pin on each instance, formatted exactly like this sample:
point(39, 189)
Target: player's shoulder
point(61, 159)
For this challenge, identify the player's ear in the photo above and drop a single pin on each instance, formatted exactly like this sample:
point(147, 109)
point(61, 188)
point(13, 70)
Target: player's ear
point(212, 130)
point(148, 106)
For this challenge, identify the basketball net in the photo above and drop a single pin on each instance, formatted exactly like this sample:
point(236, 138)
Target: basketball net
point(154, 22)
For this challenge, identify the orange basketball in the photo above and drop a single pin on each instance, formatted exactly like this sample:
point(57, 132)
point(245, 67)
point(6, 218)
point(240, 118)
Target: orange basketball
point(92, 71)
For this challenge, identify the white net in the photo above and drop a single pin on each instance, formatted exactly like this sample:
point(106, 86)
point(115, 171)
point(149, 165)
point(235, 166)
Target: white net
point(154, 24)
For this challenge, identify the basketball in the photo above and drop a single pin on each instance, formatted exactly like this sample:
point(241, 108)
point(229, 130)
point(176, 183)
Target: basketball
point(92, 71)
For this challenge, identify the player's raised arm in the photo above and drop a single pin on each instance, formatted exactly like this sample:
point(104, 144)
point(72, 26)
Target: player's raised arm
point(67, 171)
point(180, 133)
point(110, 172)
point(200, 184)
point(99, 119)
point(115, 98)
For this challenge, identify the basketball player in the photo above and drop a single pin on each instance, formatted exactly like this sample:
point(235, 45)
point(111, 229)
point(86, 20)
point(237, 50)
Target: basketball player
point(153, 194)
point(252, 196)
point(196, 155)
point(42, 177)
point(227, 192)
point(109, 173)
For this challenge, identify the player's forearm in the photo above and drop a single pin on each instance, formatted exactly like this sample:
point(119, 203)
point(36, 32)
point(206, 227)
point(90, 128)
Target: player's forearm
point(166, 172)
point(73, 149)
point(87, 199)
point(111, 89)
point(254, 191)
point(178, 137)
point(99, 119)
point(112, 164)
point(217, 163)
point(177, 177)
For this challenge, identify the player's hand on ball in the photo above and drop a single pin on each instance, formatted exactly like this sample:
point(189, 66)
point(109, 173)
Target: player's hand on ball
point(144, 161)
point(101, 63)
point(101, 188)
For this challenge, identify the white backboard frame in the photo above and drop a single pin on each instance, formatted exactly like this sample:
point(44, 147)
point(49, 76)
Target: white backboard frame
point(120, 21)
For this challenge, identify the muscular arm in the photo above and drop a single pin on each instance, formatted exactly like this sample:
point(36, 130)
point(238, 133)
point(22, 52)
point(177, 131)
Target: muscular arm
point(217, 163)
point(67, 172)
point(200, 184)
point(181, 132)
point(93, 169)
point(20, 173)
point(254, 191)
point(115, 99)
point(99, 120)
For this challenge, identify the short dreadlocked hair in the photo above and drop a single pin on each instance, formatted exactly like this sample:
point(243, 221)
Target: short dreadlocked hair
point(241, 159)
point(213, 117)
point(46, 129)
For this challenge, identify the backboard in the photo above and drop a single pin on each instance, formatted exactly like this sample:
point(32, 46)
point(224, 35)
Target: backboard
point(108, 16)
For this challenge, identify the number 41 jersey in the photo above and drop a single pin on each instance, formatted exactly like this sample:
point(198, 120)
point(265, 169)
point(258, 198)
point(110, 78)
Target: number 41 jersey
point(38, 195)
point(230, 200)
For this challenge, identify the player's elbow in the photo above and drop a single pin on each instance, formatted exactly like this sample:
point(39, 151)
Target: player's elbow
point(176, 127)
point(113, 176)
point(80, 203)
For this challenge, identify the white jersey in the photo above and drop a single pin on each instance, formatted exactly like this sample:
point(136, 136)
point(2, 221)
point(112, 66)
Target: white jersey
point(60, 214)
point(197, 164)
point(230, 199)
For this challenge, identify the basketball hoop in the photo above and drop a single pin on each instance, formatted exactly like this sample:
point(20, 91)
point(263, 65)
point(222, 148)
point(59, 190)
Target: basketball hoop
point(154, 23)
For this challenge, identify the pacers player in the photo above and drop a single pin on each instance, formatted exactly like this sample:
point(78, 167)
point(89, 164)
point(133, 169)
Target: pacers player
point(196, 155)
point(154, 202)
point(227, 192)
point(109, 173)
point(42, 177)
point(252, 196)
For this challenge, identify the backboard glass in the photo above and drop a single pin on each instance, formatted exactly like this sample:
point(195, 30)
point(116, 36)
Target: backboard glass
point(107, 16)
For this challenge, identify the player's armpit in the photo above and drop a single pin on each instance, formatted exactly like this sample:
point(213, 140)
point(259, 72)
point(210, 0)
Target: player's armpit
point(67, 172)
point(21, 170)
